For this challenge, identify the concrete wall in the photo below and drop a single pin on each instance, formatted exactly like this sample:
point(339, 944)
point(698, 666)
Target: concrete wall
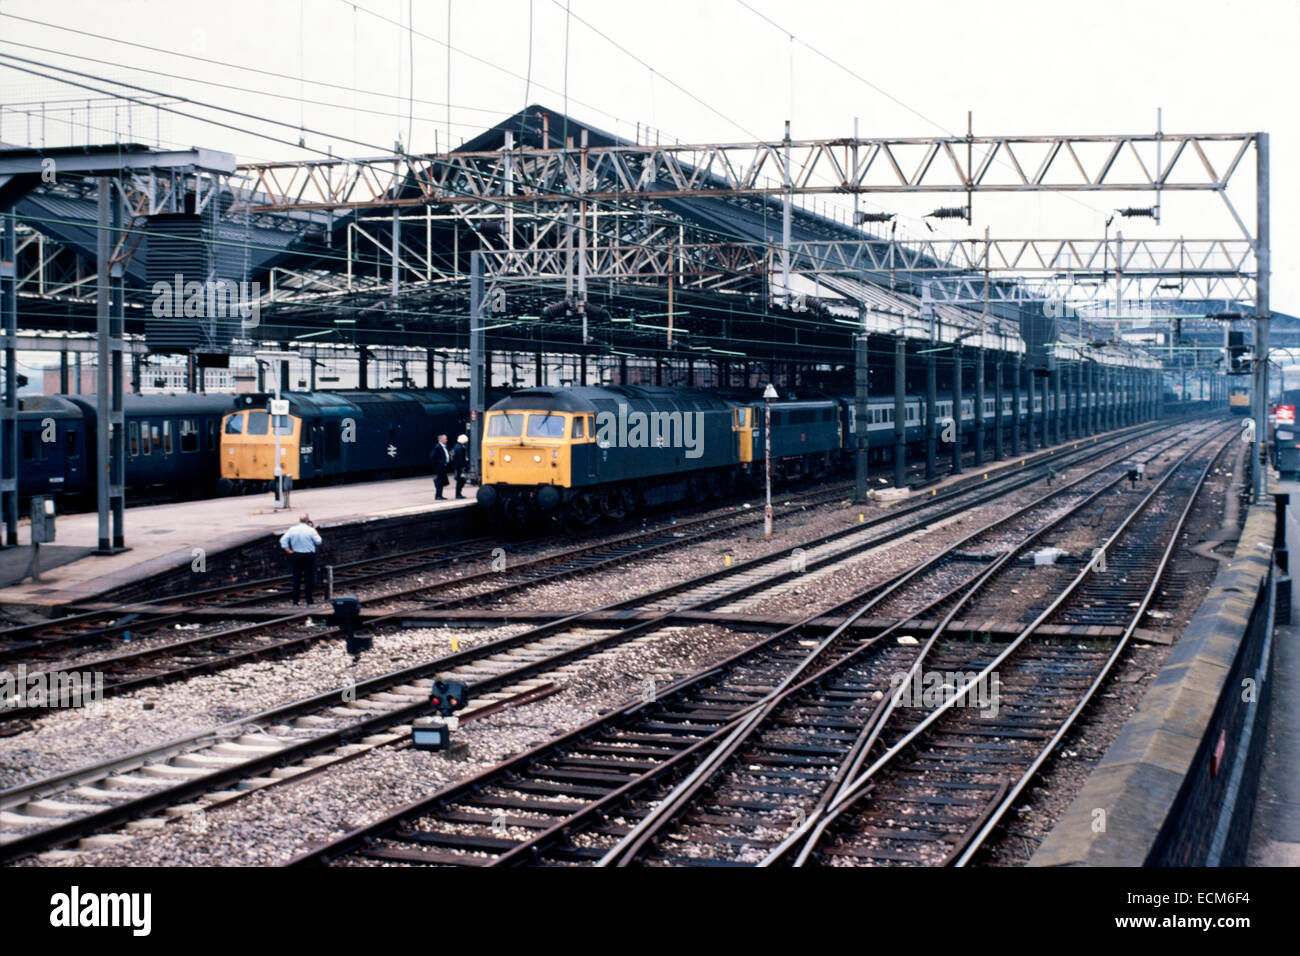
point(1172, 785)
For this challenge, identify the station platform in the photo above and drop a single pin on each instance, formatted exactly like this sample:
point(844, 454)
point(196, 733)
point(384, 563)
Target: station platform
point(160, 538)
point(1275, 826)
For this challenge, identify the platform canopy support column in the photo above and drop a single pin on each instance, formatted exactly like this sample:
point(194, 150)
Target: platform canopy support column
point(1072, 384)
point(900, 412)
point(1015, 405)
point(998, 417)
point(931, 413)
point(1045, 435)
point(1085, 397)
point(860, 418)
point(9, 413)
point(1114, 391)
point(110, 308)
point(929, 318)
point(956, 407)
point(477, 366)
point(979, 404)
point(1058, 401)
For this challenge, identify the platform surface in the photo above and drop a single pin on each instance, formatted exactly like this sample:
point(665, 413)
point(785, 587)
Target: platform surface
point(160, 537)
point(1275, 827)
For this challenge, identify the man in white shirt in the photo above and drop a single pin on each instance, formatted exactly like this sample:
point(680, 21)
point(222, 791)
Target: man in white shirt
point(299, 543)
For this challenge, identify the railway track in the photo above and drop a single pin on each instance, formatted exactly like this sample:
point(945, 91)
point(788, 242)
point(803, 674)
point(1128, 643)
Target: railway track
point(967, 771)
point(216, 646)
point(610, 784)
point(34, 644)
point(202, 769)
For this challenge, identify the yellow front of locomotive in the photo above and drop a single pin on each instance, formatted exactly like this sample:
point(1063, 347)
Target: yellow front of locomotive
point(248, 445)
point(522, 448)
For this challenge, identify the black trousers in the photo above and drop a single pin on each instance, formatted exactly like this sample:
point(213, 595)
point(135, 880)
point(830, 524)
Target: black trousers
point(304, 572)
point(460, 483)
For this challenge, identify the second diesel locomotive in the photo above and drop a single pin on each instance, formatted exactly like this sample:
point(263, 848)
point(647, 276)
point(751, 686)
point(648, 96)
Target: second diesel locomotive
point(581, 454)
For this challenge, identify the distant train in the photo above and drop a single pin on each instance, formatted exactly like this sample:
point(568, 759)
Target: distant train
point(1239, 399)
point(198, 446)
point(581, 454)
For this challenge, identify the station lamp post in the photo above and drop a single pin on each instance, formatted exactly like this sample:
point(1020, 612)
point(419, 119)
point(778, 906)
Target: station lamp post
point(278, 408)
point(769, 393)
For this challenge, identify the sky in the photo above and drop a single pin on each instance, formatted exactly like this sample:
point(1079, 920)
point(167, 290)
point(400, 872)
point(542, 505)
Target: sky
point(338, 74)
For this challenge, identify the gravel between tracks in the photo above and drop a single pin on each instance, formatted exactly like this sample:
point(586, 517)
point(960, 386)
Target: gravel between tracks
point(272, 826)
point(67, 739)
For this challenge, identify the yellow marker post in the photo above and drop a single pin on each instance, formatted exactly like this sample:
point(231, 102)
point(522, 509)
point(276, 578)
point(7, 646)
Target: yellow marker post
point(726, 560)
point(455, 643)
point(861, 518)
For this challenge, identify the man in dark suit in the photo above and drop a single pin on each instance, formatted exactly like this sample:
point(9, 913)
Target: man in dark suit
point(460, 463)
point(441, 456)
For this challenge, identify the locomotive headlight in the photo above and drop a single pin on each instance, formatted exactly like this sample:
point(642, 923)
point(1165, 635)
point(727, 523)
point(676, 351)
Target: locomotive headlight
point(506, 457)
point(537, 458)
point(555, 453)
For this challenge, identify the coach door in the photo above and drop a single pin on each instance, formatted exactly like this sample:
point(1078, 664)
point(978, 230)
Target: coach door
point(743, 426)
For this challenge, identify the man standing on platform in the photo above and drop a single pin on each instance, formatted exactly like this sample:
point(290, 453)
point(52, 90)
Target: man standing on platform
point(460, 463)
point(299, 543)
point(441, 456)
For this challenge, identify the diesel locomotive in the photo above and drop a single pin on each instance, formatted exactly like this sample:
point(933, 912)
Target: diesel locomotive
point(577, 455)
point(329, 437)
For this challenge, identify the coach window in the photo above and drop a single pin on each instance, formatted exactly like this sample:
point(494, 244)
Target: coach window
point(144, 438)
point(579, 427)
point(133, 438)
point(70, 443)
point(212, 434)
point(257, 423)
point(167, 438)
point(157, 438)
point(189, 435)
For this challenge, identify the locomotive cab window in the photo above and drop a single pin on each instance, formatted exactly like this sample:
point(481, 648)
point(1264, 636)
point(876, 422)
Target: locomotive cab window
point(258, 423)
point(235, 424)
point(284, 426)
point(505, 424)
point(579, 427)
point(545, 426)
